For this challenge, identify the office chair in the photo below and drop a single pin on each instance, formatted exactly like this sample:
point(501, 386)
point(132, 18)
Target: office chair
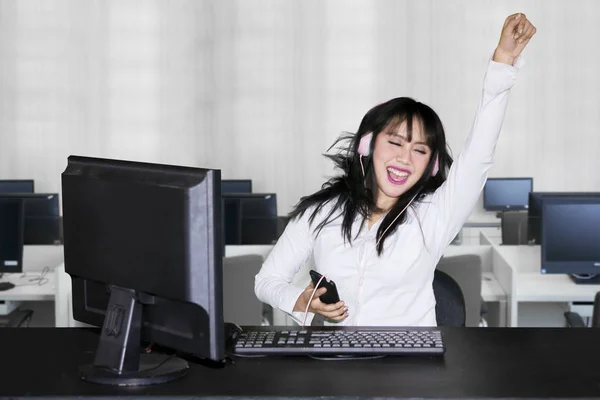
point(574, 320)
point(450, 302)
point(282, 222)
point(16, 319)
point(466, 270)
point(514, 227)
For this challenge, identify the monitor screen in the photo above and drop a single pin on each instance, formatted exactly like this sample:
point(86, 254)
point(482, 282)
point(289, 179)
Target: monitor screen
point(236, 186)
point(11, 235)
point(571, 235)
point(42, 218)
point(16, 186)
point(503, 194)
point(534, 218)
point(143, 241)
point(250, 218)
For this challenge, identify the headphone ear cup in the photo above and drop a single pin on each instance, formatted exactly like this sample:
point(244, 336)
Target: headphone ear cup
point(364, 147)
point(436, 166)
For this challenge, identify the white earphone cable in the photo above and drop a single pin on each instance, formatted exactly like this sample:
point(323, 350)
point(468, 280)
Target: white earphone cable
point(397, 216)
point(312, 295)
point(361, 166)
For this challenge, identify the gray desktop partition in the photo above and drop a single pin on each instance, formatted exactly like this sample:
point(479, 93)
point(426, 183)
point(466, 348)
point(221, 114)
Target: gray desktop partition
point(240, 304)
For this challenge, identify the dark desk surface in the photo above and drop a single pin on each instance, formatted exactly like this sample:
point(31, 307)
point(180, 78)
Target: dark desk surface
point(479, 363)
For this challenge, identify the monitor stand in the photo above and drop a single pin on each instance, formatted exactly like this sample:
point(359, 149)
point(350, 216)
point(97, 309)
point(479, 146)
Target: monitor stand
point(592, 279)
point(119, 360)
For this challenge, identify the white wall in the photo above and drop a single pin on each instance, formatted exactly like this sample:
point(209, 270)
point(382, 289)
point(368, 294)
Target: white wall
point(260, 88)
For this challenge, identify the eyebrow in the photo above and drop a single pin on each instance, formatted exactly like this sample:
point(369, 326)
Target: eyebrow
point(403, 137)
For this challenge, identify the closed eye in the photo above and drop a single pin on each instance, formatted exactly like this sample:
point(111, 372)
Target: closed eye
point(395, 144)
point(421, 151)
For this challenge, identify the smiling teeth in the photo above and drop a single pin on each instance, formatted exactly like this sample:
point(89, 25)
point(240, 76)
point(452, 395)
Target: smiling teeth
point(397, 173)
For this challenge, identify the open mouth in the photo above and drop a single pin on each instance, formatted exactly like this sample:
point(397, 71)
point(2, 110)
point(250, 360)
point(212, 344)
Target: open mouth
point(397, 176)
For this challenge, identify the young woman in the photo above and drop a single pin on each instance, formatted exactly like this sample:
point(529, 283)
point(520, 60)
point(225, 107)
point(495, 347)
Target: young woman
point(379, 229)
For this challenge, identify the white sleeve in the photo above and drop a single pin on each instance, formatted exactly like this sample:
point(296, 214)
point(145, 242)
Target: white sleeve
point(452, 203)
point(273, 283)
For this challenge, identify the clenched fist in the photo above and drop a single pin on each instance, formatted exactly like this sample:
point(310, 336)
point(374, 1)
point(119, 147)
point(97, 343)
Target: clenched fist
point(516, 33)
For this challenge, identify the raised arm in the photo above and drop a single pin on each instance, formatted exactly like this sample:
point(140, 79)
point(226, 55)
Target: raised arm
point(453, 202)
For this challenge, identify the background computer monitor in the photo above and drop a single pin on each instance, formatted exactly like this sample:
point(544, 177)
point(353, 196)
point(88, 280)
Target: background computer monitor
point(11, 235)
point(570, 236)
point(504, 194)
point(236, 186)
point(42, 218)
point(250, 218)
point(16, 186)
point(534, 218)
point(144, 240)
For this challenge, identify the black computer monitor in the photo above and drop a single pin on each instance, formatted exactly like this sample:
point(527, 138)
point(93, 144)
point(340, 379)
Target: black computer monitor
point(507, 194)
point(534, 218)
point(142, 243)
point(11, 235)
point(571, 237)
point(250, 218)
point(236, 186)
point(42, 217)
point(16, 186)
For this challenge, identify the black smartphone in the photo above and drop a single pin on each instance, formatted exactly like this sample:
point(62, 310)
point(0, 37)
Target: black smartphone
point(331, 296)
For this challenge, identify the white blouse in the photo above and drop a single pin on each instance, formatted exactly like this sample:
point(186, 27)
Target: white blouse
point(396, 288)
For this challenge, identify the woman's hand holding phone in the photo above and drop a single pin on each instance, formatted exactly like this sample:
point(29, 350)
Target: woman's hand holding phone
point(335, 312)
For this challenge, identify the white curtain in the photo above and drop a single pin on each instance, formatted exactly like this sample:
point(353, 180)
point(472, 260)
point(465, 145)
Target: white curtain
point(260, 88)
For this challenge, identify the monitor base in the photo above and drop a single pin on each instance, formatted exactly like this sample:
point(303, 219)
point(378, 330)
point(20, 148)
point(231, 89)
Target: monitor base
point(119, 360)
point(154, 369)
point(591, 279)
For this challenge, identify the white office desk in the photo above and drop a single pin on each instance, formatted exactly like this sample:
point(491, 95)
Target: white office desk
point(533, 286)
point(27, 290)
point(534, 299)
point(479, 222)
point(35, 260)
point(491, 289)
point(483, 220)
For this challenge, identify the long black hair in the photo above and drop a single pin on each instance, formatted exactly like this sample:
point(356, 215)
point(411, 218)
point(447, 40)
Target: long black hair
point(353, 193)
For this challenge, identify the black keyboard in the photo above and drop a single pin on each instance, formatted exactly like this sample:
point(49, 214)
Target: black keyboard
point(340, 341)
